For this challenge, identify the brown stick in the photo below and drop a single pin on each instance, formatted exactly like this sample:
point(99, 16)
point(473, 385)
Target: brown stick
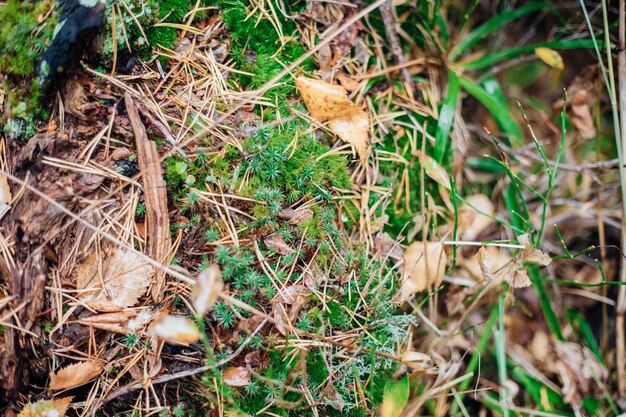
point(158, 236)
point(386, 12)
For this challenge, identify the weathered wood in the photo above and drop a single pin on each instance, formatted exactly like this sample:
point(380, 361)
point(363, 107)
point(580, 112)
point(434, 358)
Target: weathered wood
point(158, 239)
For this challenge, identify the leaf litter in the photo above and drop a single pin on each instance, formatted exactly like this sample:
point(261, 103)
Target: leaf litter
point(98, 295)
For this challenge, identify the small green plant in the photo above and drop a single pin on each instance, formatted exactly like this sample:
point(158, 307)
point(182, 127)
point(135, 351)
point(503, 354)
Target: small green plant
point(131, 340)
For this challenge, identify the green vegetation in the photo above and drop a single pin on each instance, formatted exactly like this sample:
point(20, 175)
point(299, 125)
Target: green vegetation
point(26, 29)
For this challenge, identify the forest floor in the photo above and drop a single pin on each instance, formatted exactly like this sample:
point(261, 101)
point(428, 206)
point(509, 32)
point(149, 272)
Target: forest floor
point(317, 208)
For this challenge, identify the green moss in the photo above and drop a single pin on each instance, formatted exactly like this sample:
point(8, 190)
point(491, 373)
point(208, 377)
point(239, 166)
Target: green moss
point(25, 32)
point(26, 29)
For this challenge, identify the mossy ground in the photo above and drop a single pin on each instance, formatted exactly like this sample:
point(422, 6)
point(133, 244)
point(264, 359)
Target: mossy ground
point(281, 166)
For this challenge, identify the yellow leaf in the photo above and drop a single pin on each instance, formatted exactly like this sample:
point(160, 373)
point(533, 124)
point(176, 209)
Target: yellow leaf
point(328, 102)
point(176, 329)
point(56, 408)
point(424, 266)
point(209, 285)
point(116, 281)
point(550, 57)
point(75, 375)
point(324, 101)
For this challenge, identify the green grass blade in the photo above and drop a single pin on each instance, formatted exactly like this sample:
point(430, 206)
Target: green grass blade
point(498, 110)
point(500, 342)
point(492, 25)
point(511, 53)
point(446, 117)
point(544, 299)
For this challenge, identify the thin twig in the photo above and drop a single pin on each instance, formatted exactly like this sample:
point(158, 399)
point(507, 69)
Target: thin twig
point(386, 11)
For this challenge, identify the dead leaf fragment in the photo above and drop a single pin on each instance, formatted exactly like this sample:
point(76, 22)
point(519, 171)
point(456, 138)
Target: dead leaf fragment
point(518, 279)
point(485, 264)
point(353, 129)
point(582, 118)
point(475, 216)
point(424, 266)
point(176, 329)
point(117, 280)
point(236, 376)
point(298, 216)
point(209, 285)
point(579, 370)
point(276, 242)
point(75, 375)
point(324, 101)
point(5, 196)
point(532, 255)
point(328, 102)
point(45, 408)
point(120, 153)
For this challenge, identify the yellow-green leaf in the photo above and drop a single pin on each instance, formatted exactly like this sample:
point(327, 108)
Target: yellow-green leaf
point(395, 397)
point(435, 171)
point(550, 57)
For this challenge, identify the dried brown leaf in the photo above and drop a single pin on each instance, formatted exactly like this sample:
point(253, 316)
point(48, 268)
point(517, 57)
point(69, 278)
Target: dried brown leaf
point(125, 276)
point(582, 370)
point(485, 264)
point(209, 285)
point(478, 214)
point(176, 329)
point(324, 101)
point(276, 242)
point(5, 196)
point(236, 376)
point(518, 279)
point(328, 102)
point(532, 255)
point(46, 408)
point(75, 375)
point(298, 216)
point(353, 129)
point(424, 267)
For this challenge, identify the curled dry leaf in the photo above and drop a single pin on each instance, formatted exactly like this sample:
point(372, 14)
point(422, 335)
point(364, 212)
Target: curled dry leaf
point(417, 360)
point(294, 296)
point(277, 243)
point(532, 255)
point(582, 118)
point(176, 329)
point(236, 376)
point(475, 216)
point(209, 285)
point(485, 264)
point(424, 266)
point(125, 279)
point(55, 408)
point(327, 102)
point(298, 216)
point(5, 196)
point(124, 322)
point(518, 278)
point(579, 370)
point(75, 375)
point(385, 246)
